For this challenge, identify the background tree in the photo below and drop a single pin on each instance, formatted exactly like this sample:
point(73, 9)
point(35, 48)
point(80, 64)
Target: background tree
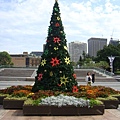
point(5, 58)
point(55, 71)
point(81, 61)
point(109, 50)
point(103, 65)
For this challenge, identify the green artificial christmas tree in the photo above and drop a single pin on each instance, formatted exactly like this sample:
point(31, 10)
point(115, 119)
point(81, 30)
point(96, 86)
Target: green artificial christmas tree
point(55, 71)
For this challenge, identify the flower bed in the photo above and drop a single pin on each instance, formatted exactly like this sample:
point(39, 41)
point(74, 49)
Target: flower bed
point(81, 102)
point(62, 105)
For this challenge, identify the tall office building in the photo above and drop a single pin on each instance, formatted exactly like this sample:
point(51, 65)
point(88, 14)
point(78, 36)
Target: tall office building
point(114, 42)
point(76, 50)
point(96, 44)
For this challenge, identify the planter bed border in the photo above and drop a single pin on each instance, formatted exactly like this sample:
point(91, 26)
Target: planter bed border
point(62, 111)
point(13, 104)
point(1, 99)
point(111, 104)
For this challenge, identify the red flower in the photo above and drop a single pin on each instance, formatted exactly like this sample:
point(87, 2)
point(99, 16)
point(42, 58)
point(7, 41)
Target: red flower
point(74, 75)
point(55, 61)
point(40, 76)
point(57, 24)
point(74, 89)
point(56, 40)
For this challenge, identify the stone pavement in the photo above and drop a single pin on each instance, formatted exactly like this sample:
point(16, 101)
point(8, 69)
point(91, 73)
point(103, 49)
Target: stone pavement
point(110, 114)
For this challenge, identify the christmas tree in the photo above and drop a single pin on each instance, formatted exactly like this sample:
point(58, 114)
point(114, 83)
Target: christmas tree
point(55, 71)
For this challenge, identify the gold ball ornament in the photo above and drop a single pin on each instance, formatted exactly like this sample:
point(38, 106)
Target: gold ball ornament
point(45, 70)
point(58, 18)
point(51, 73)
point(65, 47)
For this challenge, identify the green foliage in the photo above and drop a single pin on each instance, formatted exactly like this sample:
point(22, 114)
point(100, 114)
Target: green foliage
point(28, 102)
point(109, 50)
point(102, 64)
point(55, 71)
point(4, 95)
point(95, 102)
point(5, 58)
point(15, 98)
point(107, 98)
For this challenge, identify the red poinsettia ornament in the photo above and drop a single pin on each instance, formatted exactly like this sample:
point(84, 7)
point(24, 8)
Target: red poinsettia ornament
point(57, 25)
point(40, 76)
point(55, 61)
point(74, 75)
point(56, 40)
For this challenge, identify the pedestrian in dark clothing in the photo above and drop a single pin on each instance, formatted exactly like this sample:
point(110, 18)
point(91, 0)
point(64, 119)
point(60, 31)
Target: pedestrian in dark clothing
point(93, 77)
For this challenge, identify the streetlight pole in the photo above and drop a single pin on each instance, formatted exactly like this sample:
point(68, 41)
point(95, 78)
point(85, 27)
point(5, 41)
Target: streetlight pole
point(111, 59)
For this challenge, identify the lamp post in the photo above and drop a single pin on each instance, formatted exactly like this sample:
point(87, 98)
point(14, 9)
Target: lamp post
point(111, 59)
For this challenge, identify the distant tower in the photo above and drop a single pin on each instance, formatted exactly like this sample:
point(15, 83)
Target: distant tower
point(76, 50)
point(96, 44)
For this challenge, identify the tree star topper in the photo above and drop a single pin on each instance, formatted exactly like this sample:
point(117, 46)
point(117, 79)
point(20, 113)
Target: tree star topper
point(55, 62)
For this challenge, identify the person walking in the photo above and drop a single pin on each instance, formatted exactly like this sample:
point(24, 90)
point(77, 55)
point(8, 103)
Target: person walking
point(88, 79)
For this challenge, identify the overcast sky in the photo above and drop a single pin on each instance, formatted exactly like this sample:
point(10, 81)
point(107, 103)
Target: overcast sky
point(24, 23)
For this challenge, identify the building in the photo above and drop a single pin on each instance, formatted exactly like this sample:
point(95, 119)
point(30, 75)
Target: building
point(25, 60)
point(114, 42)
point(76, 50)
point(96, 44)
point(19, 60)
point(36, 53)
